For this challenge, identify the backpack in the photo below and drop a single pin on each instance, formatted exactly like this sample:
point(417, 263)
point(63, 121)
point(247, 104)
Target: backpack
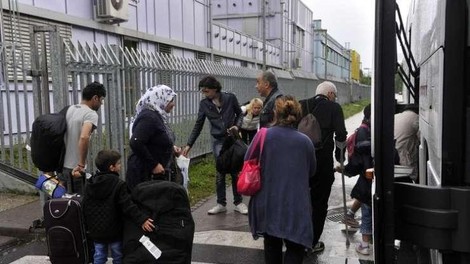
point(47, 141)
point(310, 126)
point(167, 203)
point(351, 141)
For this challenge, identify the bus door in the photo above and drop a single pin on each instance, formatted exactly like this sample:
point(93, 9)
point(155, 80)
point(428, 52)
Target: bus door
point(433, 216)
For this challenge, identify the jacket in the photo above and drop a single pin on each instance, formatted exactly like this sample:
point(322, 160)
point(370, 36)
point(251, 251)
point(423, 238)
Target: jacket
point(150, 144)
point(331, 118)
point(282, 208)
point(230, 115)
point(267, 113)
point(105, 204)
point(358, 163)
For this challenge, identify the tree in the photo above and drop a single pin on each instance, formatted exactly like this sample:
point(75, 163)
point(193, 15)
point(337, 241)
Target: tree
point(364, 79)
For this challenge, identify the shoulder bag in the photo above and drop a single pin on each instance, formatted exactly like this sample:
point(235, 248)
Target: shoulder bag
point(249, 179)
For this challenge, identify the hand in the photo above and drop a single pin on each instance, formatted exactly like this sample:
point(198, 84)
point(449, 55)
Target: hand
point(158, 169)
point(233, 129)
point(339, 168)
point(186, 151)
point(177, 150)
point(148, 225)
point(78, 171)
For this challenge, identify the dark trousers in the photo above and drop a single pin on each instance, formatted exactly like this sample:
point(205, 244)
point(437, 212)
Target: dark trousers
point(320, 189)
point(273, 251)
point(220, 178)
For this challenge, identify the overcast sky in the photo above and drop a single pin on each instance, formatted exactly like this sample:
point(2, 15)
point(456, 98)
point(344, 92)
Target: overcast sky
point(351, 21)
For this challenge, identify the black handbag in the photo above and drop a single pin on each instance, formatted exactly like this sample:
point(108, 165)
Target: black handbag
point(230, 159)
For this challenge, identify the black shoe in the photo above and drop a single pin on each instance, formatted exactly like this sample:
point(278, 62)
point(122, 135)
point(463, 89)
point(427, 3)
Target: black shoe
point(319, 247)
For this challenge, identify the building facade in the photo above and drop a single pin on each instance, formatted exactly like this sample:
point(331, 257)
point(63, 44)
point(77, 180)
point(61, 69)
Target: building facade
point(285, 24)
point(355, 66)
point(332, 60)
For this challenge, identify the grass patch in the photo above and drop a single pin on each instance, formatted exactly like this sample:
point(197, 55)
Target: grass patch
point(354, 108)
point(201, 180)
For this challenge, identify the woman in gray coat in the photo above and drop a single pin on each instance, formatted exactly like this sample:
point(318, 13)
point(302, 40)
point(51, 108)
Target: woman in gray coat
point(281, 210)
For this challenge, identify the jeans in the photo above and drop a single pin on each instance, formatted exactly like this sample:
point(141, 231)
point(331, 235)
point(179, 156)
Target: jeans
point(78, 183)
point(220, 178)
point(273, 251)
point(101, 252)
point(366, 220)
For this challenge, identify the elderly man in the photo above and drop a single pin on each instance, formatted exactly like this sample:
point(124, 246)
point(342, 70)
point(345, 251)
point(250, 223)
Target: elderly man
point(330, 116)
point(266, 84)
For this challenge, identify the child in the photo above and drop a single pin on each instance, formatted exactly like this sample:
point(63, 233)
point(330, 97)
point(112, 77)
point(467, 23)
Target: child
point(105, 203)
point(358, 163)
point(250, 121)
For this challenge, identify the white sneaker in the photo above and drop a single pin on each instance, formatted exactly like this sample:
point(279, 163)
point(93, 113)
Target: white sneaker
point(362, 250)
point(241, 208)
point(217, 209)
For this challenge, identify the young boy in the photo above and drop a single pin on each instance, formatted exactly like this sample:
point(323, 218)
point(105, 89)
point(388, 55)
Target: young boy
point(106, 202)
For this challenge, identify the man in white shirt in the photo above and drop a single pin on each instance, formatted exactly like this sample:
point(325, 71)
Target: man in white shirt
point(82, 119)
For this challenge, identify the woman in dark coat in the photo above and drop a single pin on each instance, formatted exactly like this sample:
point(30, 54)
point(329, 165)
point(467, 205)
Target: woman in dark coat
point(152, 139)
point(281, 210)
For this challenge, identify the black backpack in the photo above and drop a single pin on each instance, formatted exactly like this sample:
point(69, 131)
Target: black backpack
point(47, 141)
point(167, 203)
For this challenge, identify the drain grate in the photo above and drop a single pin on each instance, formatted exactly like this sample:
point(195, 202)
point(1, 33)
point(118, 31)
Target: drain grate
point(336, 215)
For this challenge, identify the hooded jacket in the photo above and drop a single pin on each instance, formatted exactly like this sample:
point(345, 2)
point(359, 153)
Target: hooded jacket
point(106, 202)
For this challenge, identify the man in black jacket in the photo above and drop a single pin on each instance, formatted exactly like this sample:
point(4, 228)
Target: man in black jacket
point(266, 84)
point(330, 116)
point(224, 113)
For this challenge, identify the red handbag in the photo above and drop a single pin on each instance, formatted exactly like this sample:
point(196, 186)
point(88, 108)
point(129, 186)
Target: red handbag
point(249, 179)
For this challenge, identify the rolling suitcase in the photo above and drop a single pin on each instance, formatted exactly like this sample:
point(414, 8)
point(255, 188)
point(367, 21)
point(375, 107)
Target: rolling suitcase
point(65, 231)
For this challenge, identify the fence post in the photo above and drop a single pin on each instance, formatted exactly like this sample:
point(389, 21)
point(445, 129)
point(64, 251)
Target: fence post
point(58, 70)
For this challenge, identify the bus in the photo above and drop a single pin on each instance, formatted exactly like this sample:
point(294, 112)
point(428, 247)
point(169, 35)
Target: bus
point(427, 222)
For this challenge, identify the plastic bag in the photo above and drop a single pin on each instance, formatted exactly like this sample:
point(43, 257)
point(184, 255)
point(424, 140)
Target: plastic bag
point(183, 164)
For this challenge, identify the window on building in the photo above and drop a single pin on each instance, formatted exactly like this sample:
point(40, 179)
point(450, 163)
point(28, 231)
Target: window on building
point(130, 43)
point(200, 55)
point(164, 48)
point(244, 64)
point(217, 59)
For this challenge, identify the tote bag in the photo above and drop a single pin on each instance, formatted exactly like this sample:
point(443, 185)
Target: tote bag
point(249, 179)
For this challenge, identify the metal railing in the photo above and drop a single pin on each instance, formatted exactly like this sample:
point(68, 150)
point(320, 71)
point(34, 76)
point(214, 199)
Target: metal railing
point(59, 69)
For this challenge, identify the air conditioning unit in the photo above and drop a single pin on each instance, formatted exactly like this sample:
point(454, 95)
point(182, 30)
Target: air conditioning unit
point(298, 63)
point(112, 11)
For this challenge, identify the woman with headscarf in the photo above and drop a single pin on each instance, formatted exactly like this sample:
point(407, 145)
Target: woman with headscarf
point(152, 140)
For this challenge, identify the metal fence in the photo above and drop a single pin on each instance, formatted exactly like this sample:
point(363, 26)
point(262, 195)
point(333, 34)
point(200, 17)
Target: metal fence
point(57, 70)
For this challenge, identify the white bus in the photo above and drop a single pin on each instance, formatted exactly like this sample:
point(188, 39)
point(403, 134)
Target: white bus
point(430, 220)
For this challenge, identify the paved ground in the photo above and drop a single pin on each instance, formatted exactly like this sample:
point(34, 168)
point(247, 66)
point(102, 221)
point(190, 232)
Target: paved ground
point(222, 238)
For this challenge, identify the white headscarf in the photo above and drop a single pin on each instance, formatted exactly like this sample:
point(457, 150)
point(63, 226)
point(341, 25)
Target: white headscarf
point(156, 99)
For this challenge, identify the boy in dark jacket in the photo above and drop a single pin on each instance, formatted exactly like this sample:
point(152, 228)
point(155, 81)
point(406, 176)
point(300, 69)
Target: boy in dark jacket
point(105, 203)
